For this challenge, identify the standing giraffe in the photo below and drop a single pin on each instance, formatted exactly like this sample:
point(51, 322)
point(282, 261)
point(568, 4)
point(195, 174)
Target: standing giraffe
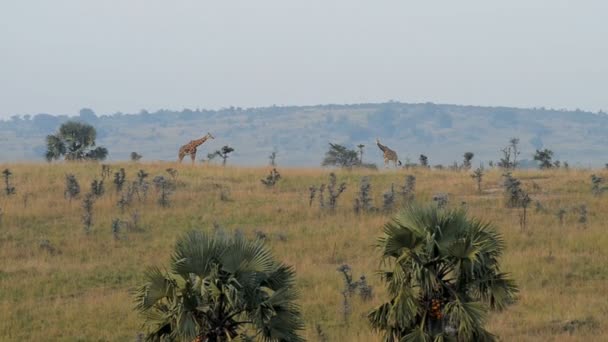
point(190, 148)
point(389, 155)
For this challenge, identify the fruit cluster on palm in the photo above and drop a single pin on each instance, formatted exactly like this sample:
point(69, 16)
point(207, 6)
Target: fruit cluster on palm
point(442, 275)
point(218, 289)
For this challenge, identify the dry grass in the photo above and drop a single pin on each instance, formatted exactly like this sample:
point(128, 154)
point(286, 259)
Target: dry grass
point(83, 292)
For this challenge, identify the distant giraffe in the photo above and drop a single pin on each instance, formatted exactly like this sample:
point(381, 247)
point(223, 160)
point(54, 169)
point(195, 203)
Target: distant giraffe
point(190, 148)
point(389, 155)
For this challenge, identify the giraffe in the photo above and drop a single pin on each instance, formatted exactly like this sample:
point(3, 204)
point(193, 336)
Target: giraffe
point(190, 148)
point(389, 155)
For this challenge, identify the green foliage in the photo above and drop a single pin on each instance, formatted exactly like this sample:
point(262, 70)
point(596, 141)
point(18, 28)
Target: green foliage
point(466, 164)
point(135, 157)
point(424, 161)
point(363, 201)
point(544, 158)
point(120, 178)
point(340, 156)
point(217, 288)
point(72, 188)
point(97, 188)
point(224, 153)
point(443, 277)
point(74, 141)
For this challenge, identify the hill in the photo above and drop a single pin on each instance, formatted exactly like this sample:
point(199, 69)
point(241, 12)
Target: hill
point(301, 134)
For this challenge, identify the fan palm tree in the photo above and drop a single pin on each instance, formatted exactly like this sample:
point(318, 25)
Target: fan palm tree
point(74, 141)
point(442, 276)
point(217, 288)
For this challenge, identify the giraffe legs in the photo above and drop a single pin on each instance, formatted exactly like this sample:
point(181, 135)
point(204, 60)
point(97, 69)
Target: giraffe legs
point(181, 156)
point(193, 157)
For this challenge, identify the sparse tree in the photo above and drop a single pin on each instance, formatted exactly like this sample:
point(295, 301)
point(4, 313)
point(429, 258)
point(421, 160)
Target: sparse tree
point(273, 159)
point(363, 201)
point(544, 158)
point(120, 178)
point(72, 188)
point(510, 154)
point(340, 156)
point(273, 177)
point(74, 141)
point(224, 153)
point(135, 157)
point(424, 161)
point(360, 147)
point(443, 277)
point(466, 163)
point(478, 177)
point(217, 289)
point(87, 206)
point(8, 188)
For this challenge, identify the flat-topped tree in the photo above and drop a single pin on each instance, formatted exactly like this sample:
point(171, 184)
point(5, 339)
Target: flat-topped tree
point(74, 141)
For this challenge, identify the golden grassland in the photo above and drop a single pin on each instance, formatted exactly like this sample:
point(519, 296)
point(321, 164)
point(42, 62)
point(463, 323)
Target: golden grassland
point(83, 293)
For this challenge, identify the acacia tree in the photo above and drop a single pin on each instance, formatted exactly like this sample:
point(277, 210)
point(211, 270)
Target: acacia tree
point(74, 141)
point(544, 158)
point(217, 288)
point(443, 277)
point(341, 156)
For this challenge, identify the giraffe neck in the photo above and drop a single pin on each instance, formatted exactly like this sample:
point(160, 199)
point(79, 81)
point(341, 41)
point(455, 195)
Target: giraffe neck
point(199, 142)
point(382, 147)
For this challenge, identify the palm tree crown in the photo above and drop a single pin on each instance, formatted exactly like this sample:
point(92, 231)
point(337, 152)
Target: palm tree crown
point(218, 287)
point(442, 276)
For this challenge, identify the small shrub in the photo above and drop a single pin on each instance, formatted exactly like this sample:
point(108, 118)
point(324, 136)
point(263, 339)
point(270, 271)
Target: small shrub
point(334, 192)
point(363, 201)
point(582, 215)
point(164, 188)
point(87, 206)
point(105, 171)
point(48, 247)
point(273, 159)
point(273, 177)
point(8, 188)
point(597, 185)
point(142, 185)
point(116, 228)
point(119, 179)
point(97, 188)
point(408, 189)
point(478, 177)
point(72, 188)
point(312, 191)
point(561, 215)
point(441, 200)
point(424, 161)
point(466, 163)
point(388, 199)
point(135, 157)
point(173, 173)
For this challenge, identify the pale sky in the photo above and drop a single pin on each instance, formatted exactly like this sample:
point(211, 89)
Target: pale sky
point(125, 55)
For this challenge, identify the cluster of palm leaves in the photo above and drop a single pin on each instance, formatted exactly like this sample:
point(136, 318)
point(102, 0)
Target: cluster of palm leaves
point(74, 141)
point(443, 276)
point(220, 289)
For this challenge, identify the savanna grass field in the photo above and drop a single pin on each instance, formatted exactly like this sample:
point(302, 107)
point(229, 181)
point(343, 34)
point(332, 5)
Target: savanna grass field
point(78, 286)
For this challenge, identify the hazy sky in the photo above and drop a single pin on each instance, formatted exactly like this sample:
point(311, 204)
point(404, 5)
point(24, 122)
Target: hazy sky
point(124, 55)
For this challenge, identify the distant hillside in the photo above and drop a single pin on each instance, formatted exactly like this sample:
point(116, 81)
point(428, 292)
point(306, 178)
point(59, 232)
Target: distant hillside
point(301, 134)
